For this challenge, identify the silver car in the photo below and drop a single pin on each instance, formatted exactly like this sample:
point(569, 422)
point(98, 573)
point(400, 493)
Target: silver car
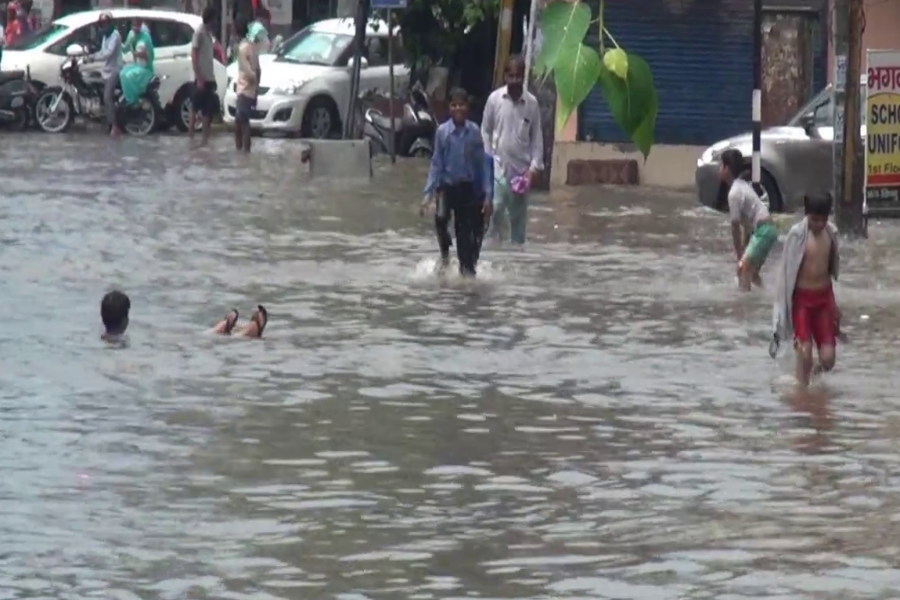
point(796, 158)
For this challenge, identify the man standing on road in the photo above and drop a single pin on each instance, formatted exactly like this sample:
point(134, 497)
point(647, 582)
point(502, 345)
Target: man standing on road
point(205, 100)
point(511, 129)
point(111, 56)
point(247, 84)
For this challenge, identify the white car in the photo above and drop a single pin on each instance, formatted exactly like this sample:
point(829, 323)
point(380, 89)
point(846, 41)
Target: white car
point(44, 52)
point(305, 85)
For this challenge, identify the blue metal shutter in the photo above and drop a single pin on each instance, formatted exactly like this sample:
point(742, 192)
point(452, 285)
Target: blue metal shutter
point(702, 63)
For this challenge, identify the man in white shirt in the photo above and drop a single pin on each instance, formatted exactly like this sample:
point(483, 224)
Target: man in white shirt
point(512, 134)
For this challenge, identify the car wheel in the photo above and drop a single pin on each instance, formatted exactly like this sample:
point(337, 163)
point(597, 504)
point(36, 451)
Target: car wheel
point(320, 119)
point(181, 110)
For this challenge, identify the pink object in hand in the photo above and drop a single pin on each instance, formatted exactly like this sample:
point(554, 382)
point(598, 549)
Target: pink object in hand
point(520, 184)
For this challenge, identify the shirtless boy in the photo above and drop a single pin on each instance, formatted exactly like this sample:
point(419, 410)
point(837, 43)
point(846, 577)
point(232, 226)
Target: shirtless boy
point(811, 261)
point(746, 210)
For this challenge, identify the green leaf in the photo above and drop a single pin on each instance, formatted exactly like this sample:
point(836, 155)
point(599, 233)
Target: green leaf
point(632, 101)
point(563, 27)
point(576, 74)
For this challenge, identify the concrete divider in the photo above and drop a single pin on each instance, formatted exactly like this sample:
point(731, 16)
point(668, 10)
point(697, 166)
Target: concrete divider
point(344, 159)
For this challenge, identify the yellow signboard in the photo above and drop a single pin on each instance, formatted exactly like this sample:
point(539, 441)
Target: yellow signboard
point(883, 127)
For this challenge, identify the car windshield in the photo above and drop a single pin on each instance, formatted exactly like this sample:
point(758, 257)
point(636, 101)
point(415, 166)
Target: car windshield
point(311, 47)
point(822, 109)
point(44, 35)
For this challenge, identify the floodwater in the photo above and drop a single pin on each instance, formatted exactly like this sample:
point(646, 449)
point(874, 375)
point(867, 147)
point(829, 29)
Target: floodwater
point(596, 417)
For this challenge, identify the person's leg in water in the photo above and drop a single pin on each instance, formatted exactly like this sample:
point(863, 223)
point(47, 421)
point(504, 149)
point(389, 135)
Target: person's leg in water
point(825, 330)
point(211, 102)
point(258, 321)
point(242, 112)
point(227, 325)
point(517, 207)
point(757, 251)
point(109, 101)
point(500, 216)
point(479, 225)
point(442, 227)
point(460, 198)
point(192, 114)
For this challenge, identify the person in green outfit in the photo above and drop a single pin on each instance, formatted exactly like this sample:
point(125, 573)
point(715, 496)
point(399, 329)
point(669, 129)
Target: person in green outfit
point(135, 76)
point(752, 230)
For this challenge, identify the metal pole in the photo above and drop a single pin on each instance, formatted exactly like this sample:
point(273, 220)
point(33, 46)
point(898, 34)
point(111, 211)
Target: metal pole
point(390, 21)
point(362, 17)
point(849, 213)
point(756, 167)
point(529, 41)
point(840, 41)
point(223, 22)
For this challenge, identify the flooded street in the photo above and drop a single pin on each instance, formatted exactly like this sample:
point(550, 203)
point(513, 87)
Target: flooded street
point(596, 417)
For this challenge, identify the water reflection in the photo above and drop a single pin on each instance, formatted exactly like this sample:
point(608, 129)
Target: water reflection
point(598, 417)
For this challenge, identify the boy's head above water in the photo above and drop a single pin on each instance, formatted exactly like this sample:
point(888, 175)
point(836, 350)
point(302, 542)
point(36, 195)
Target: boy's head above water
point(459, 105)
point(817, 208)
point(114, 309)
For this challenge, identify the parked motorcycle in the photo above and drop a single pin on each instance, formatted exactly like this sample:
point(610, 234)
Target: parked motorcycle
point(16, 97)
point(82, 95)
point(413, 132)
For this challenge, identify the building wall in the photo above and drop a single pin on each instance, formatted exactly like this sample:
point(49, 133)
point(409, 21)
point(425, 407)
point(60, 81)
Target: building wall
point(882, 29)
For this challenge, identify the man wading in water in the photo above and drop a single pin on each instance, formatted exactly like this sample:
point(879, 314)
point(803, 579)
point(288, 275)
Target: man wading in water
point(745, 208)
point(512, 134)
point(205, 100)
point(805, 302)
point(458, 181)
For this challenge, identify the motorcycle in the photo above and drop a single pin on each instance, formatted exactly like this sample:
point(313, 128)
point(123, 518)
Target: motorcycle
point(16, 97)
point(82, 95)
point(413, 132)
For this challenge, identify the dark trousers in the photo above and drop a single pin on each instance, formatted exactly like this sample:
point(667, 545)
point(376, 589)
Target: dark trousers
point(463, 201)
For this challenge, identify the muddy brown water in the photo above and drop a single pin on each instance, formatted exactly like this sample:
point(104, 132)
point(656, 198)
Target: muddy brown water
point(596, 417)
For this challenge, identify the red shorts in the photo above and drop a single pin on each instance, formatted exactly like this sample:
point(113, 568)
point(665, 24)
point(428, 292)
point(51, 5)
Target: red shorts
point(814, 315)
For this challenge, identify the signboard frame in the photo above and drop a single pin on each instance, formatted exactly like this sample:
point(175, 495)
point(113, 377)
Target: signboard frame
point(882, 140)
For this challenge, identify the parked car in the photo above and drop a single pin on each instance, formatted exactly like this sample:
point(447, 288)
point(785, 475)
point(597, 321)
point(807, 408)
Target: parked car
point(44, 52)
point(796, 158)
point(305, 84)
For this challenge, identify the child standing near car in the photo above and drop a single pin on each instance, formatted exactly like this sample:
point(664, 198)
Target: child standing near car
point(747, 211)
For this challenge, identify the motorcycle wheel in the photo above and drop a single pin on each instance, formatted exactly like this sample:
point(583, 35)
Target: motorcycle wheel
point(65, 112)
point(142, 119)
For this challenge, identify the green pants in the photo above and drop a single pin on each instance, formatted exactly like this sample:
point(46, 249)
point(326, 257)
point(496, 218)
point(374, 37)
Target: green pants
point(509, 207)
point(761, 243)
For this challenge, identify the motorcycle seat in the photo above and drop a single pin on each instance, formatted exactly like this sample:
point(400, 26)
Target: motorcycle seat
point(382, 122)
point(11, 76)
